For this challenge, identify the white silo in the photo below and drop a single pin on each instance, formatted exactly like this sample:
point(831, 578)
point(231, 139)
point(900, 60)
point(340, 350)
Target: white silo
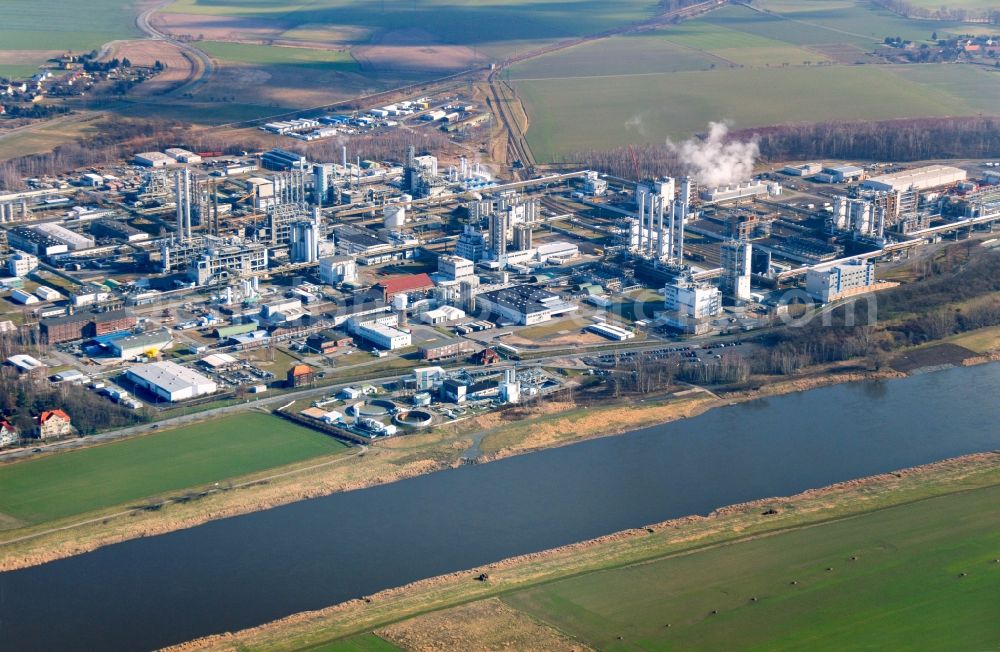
point(395, 216)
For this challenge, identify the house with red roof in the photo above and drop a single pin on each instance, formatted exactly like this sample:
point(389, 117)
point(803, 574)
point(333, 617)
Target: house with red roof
point(53, 423)
point(8, 433)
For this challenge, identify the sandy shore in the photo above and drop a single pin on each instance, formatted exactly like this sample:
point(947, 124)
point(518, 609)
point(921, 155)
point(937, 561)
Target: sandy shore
point(550, 425)
point(764, 517)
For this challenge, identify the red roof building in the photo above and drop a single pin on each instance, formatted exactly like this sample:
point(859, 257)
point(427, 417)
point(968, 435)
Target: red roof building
point(300, 374)
point(404, 285)
point(54, 423)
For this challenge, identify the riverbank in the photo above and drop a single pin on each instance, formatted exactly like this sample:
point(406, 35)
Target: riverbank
point(734, 524)
point(515, 432)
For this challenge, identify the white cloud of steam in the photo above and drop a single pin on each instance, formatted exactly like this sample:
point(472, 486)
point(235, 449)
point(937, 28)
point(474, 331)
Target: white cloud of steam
point(713, 161)
point(635, 122)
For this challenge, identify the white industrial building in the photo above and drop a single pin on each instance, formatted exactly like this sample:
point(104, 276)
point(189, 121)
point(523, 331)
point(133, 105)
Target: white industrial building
point(21, 264)
point(931, 176)
point(455, 268)
point(381, 331)
point(46, 293)
point(736, 259)
point(73, 240)
point(170, 381)
point(132, 345)
point(183, 155)
point(153, 159)
point(559, 251)
point(692, 299)
point(23, 297)
point(442, 315)
point(428, 377)
point(338, 269)
point(840, 281)
point(746, 190)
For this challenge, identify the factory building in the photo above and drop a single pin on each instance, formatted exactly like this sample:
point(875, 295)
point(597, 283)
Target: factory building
point(23, 297)
point(182, 155)
point(840, 174)
point(46, 293)
point(39, 244)
point(690, 305)
point(740, 191)
point(471, 244)
point(804, 170)
point(931, 176)
point(170, 381)
point(594, 185)
point(381, 331)
point(858, 215)
point(352, 241)
point(153, 160)
point(840, 281)
point(442, 315)
point(451, 349)
point(118, 230)
point(736, 264)
point(338, 269)
point(73, 240)
point(557, 252)
point(399, 285)
point(21, 264)
point(129, 346)
point(280, 159)
point(522, 237)
point(220, 261)
point(68, 328)
point(455, 268)
point(428, 377)
point(523, 304)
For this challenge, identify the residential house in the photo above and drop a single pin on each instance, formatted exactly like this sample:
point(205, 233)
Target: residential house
point(52, 424)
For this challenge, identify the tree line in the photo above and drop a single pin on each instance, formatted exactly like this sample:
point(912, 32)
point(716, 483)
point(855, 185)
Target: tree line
point(888, 140)
point(958, 14)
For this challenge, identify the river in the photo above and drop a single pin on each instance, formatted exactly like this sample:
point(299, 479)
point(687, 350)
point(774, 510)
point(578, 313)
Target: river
point(243, 571)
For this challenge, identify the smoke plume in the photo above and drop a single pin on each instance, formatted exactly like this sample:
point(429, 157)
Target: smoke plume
point(713, 161)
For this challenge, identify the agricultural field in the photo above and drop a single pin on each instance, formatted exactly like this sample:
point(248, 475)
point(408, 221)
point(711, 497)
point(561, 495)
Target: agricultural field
point(32, 31)
point(104, 476)
point(568, 116)
point(741, 65)
point(891, 579)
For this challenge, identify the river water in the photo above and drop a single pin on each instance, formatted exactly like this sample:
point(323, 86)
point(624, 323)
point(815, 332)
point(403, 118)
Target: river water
point(243, 571)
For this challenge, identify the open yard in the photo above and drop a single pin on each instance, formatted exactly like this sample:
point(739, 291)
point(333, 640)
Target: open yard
point(920, 575)
point(104, 476)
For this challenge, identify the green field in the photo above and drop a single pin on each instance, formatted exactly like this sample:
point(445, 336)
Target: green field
point(568, 115)
point(100, 477)
point(790, 61)
point(33, 30)
point(904, 590)
point(502, 24)
point(363, 643)
point(263, 55)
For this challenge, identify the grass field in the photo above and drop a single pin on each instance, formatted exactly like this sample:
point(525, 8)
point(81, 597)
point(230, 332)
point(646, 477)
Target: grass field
point(363, 643)
point(268, 55)
point(35, 28)
point(100, 477)
point(903, 591)
point(741, 65)
point(571, 115)
point(458, 22)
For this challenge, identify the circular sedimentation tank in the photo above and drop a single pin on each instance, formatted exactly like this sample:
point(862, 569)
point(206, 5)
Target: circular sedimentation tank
point(373, 408)
point(414, 418)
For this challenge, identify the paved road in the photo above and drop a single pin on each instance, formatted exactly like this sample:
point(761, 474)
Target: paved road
point(203, 67)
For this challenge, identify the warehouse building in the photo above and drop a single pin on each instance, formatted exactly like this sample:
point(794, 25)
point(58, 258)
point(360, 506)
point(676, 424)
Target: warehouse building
point(523, 304)
point(455, 268)
point(73, 240)
point(129, 346)
point(170, 381)
point(931, 176)
point(381, 331)
point(280, 159)
point(183, 155)
point(840, 174)
point(39, 244)
point(153, 160)
point(451, 349)
point(118, 230)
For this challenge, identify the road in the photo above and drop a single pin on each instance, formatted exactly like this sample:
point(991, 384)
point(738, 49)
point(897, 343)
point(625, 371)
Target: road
point(202, 65)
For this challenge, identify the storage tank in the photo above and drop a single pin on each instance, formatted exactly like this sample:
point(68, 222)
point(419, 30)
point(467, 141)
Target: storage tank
point(395, 216)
